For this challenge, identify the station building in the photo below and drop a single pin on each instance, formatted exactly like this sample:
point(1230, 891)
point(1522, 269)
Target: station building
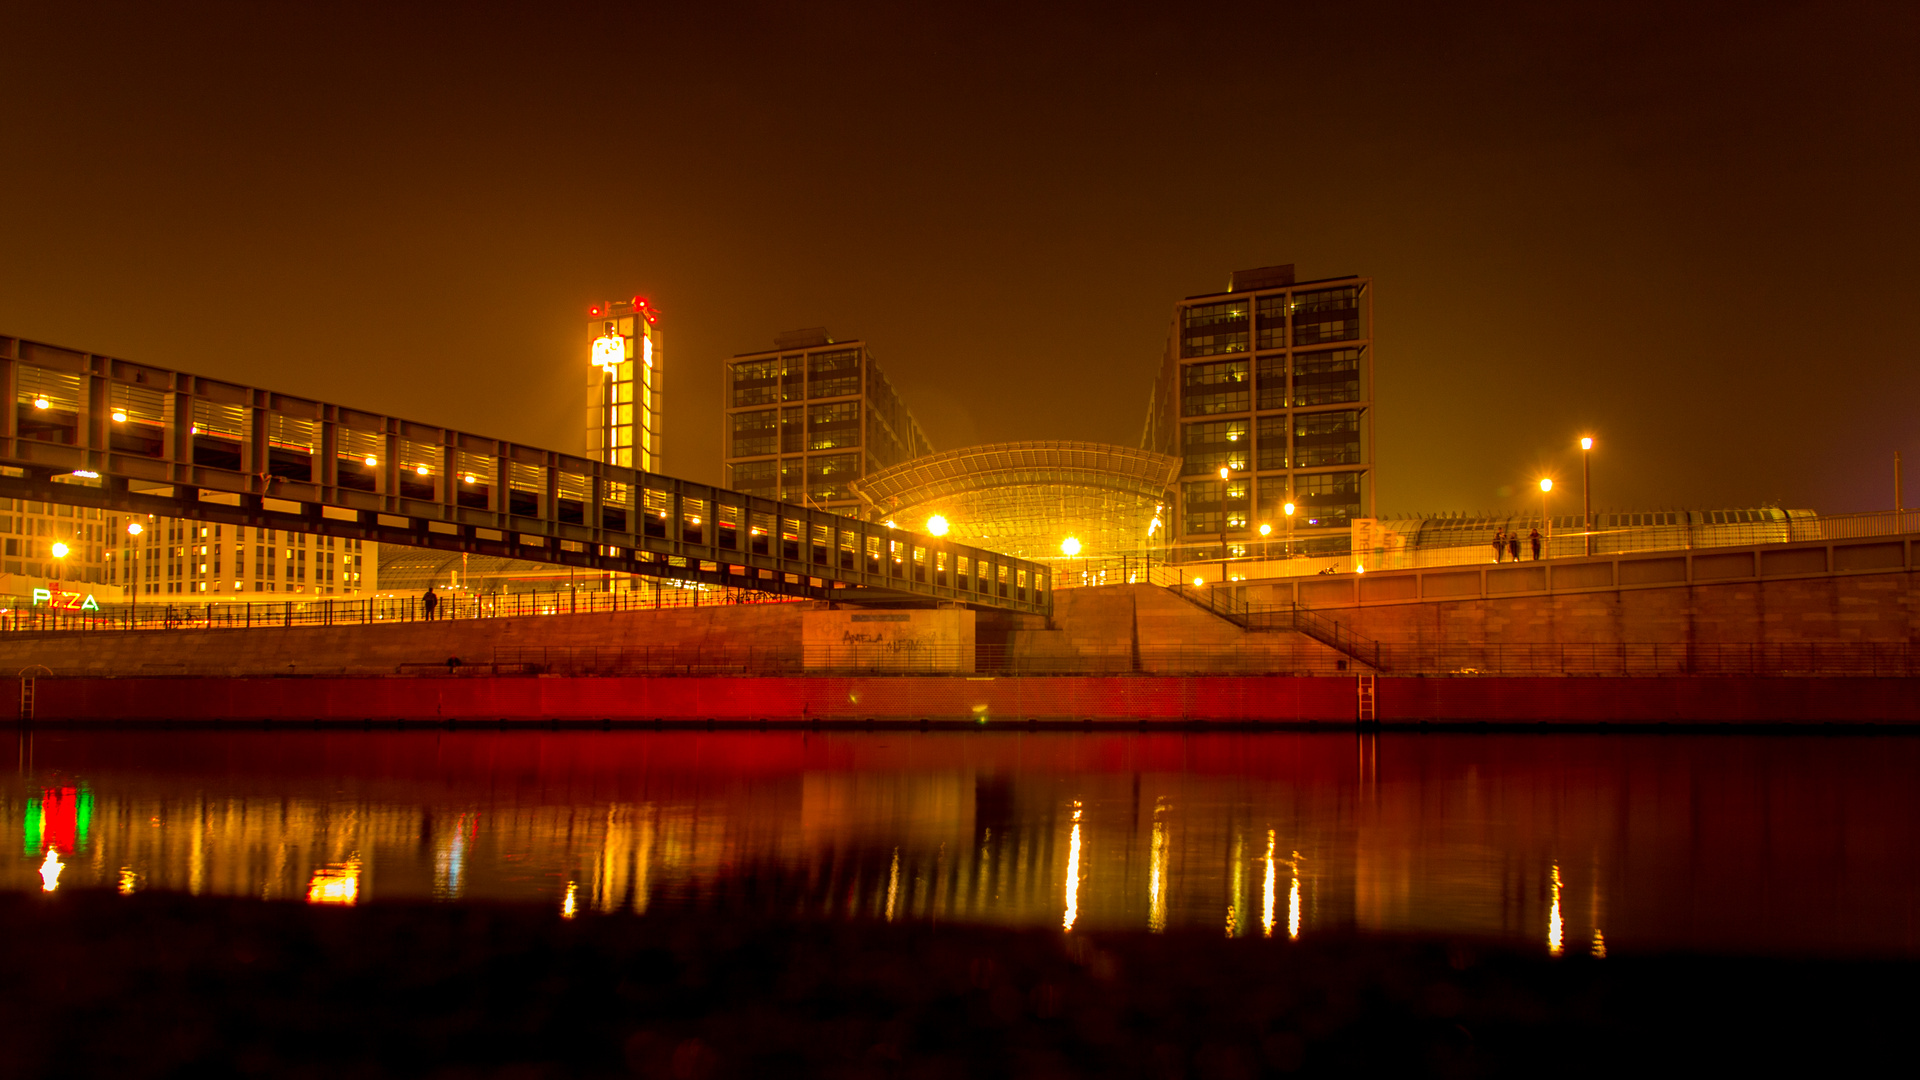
point(810, 416)
point(1026, 499)
point(1271, 380)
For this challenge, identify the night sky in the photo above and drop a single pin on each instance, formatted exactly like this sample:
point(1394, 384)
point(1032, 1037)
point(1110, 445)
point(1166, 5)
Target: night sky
point(1687, 229)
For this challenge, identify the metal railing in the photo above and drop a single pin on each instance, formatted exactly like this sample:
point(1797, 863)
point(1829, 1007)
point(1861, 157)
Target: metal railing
point(338, 612)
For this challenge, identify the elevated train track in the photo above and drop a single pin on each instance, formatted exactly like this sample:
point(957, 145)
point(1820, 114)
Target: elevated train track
point(89, 430)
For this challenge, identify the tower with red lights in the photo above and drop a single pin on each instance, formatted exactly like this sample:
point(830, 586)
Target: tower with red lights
point(623, 389)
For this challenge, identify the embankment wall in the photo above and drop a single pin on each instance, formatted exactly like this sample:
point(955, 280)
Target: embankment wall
point(1121, 699)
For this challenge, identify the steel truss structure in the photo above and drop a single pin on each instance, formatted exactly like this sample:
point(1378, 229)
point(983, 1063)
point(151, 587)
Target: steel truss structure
point(91, 430)
point(1026, 497)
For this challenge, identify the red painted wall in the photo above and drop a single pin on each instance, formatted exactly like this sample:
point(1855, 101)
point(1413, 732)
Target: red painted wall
point(1278, 699)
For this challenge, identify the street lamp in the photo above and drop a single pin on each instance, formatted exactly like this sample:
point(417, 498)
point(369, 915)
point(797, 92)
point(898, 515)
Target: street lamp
point(134, 529)
point(1546, 485)
point(1223, 524)
point(1265, 531)
point(936, 526)
point(1586, 490)
point(1289, 509)
point(1071, 547)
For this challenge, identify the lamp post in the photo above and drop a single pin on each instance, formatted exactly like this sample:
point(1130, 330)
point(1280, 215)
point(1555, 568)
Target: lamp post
point(134, 529)
point(1223, 524)
point(1546, 485)
point(1586, 491)
point(1265, 531)
point(1289, 510)
point(1071, 547)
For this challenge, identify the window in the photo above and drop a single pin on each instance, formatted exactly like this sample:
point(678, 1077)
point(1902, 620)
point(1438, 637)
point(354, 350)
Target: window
point(1326, 499)
point(1273, 442)
point(1322, 378)
point(1273, 321)
point(833, 374)
point(1207, 446)
point(1211, 329)
point(793, 429)
point(1327, 438)
point(755, 477)
point(1219, 387)
point(1273, 381)
point(756, 382)
point(829, 474)
point(1326, 315)
point(754, 433)
point(830, 427)
point(1203, 510)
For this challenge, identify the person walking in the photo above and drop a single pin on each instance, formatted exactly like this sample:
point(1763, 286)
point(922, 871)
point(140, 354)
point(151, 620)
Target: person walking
point(1499, 544)
point(429, 600)
point(1513, 545)
point(1533, 538)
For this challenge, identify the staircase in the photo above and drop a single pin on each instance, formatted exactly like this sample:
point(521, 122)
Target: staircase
point(1222, 603)
point(1336, 637)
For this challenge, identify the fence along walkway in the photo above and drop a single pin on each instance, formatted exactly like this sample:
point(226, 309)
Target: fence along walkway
point(330, 612)
point(89, 430)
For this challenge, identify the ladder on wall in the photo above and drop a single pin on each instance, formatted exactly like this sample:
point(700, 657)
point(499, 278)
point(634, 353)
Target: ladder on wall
point(1368, 712)
point(28, 675)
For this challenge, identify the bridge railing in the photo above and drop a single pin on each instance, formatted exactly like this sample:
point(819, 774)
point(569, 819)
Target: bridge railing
point(109, 618)
point(89, 430)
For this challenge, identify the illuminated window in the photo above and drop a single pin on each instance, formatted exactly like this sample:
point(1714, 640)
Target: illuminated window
point(1323, 378)
point(1205, 447)
point(1273, 442)
point(1273, 321)
point(1327, 438)
point(833, 374)
point(1326, 315)
point(1219, 387)
point(1211, 329)
point(755, 433)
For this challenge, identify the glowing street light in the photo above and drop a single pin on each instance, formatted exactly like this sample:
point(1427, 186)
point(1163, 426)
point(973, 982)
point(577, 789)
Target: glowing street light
point(936, 526)
point(1546, 485)
point(1223, 525)
point(1070, 547)
point(372, 461)
point(119, 416)
point(41, 402)
point(1586, 490)
point(1289, 511)
point(134, 529)
point(420, 470)
point(60, 549)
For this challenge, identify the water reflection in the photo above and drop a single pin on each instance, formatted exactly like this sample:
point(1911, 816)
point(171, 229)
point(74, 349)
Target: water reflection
point(1682, 842)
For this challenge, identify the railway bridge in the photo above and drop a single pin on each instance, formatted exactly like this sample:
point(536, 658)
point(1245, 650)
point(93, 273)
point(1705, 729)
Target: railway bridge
point(92, 430)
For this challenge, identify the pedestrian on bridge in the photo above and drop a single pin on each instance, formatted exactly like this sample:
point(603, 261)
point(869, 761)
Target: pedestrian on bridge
point(429, 600)
point(1534, 539)
point(1513, 544)
point(1499, 544)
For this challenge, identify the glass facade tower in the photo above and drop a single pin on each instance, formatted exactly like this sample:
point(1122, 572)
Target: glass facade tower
point(623, 393)
point(808, 417)
point(1273, 381)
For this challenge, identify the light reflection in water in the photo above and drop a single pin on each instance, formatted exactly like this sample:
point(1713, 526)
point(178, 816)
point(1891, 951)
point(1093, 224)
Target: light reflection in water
point(1293, 901)
point(50, 871)
point(965, 827)
point(1553, 917)
point(570, 906)
point(1073, 873)
point(1266, 903)
point(1157, 881)
point(1237, 889)
point(338, 883)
